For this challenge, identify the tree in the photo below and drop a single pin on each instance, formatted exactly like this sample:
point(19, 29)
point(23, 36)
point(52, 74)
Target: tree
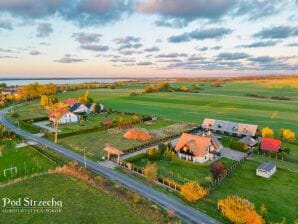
point(135, 119)
point(192, 191)
point(239, 210)
point(267, 132)
point(287, 134)
point(56, 112)
point(218, 169)
point(150, 171)
point(44, 100)
point(82, 99)
point(2, 148)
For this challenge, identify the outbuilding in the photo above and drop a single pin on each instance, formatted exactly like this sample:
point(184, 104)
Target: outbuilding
point(266, 170)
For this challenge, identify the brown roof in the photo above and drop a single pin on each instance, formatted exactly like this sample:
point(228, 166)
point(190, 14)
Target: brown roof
point(113, 150)
point(197, 144)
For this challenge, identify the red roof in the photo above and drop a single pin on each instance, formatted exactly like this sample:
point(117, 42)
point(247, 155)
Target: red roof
point(70, 101)
point(58, 113)
point(270, 144)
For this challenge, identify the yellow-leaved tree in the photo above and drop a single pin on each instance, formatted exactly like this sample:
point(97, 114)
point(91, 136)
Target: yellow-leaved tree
point(192, 191)
point(267, 132)
point(287, 134)
point(239, 210)
point(150, 171)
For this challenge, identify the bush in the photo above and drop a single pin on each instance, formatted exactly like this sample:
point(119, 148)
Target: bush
point(192, 191)
point(218, 169)
point(153, 154)
point(238, 146)
point(150, 171)
point(239, 210)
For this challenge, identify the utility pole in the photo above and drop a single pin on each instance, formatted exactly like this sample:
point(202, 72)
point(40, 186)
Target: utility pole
point(85, 157)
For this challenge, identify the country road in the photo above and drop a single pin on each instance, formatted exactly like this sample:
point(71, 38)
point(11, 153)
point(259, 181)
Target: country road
point(186, 213)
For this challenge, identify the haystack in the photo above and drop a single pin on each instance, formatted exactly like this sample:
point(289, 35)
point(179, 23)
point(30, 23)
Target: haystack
point(137, 135)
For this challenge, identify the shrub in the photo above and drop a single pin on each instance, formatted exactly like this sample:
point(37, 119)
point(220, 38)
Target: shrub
point(287, 134)
point(192, 191)
point(234, 144)
point(218, 169)
point(239, 210)
point(153, 154)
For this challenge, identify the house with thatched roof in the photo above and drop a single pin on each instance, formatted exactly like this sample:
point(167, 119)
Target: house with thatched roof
point(198, 149)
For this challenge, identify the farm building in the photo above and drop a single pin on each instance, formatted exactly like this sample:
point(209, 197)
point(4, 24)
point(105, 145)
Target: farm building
point(198, 148)
point(230, 128)
point(266, 170)
point(67, 117)
point(270, 145)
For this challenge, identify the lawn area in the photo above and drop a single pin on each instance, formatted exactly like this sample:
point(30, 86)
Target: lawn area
point(26, 160)
point(179, 172)
point(278, 193)
point(81, 203)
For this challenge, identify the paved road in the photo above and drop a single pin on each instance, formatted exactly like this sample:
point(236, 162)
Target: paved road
point(183, 211)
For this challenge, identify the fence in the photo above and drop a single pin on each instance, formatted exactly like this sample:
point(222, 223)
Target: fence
point(172, 184)
point(217, 181)
point(161, 181)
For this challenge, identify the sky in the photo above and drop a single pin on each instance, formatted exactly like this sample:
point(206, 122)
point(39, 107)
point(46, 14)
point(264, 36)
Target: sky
point(148, 38)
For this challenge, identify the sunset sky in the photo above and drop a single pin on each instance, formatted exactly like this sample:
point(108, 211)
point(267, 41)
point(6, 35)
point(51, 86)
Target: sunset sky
point(148, 38)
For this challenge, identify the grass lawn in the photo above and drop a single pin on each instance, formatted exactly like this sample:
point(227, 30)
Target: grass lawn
point(81, 203)
point(179, 172)
point(26, 160)
point(279, 193)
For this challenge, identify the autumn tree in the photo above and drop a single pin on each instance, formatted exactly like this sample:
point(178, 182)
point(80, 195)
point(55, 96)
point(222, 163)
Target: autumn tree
point(239, 210)
point(56, 112)
point(287, 134)
point(267, 132)
point(44, 100)
point(192, 191)
point(150, 171)
point(218, 169)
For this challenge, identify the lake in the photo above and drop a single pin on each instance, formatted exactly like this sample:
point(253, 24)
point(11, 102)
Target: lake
point(20, 82)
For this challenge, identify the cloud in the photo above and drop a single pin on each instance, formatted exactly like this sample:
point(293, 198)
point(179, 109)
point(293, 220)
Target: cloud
point(69, 59)
point(277, 32)
point(5, 24)
point(201, 48)
point(95, 47)
point(212, 33)
point(232, 56)
point(262, 59)
point(144, 63)
point(34, 52)
point(128, 52)
point(173, 12)
point(259, 44)
point(44, 30)
point(6, 50)
point(152, 49)
point(81, 12)
point(87, 38)
point(292, 44)
point(127, 40)
point(216, 48)
point(171, 55)
point(129, 46)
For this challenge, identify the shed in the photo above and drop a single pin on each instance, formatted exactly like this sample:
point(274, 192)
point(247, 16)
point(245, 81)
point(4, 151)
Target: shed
point(270, 144)
point(266, 169)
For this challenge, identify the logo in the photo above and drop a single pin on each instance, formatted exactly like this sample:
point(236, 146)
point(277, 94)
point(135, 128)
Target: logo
point(29, 205)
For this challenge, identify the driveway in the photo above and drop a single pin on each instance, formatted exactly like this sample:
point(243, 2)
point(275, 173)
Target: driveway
point(232, 154)
point(44, 125)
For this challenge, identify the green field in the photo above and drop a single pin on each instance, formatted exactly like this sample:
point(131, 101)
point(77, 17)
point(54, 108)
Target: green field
point(228, 102)
point(81, 203)
point(26, 160)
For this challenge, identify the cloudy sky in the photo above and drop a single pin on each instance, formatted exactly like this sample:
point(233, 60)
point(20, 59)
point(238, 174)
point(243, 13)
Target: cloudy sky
point(147, 38)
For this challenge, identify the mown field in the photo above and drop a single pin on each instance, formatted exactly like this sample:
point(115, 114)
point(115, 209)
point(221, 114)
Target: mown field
point(81, 203)
point(26, 161)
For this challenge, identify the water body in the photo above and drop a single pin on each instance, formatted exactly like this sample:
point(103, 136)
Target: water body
point(20, 82)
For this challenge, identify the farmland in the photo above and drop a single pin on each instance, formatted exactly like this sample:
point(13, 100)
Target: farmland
point(86, 204)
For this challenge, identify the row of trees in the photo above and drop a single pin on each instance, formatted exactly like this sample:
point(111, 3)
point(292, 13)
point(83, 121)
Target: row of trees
point(284, 134)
